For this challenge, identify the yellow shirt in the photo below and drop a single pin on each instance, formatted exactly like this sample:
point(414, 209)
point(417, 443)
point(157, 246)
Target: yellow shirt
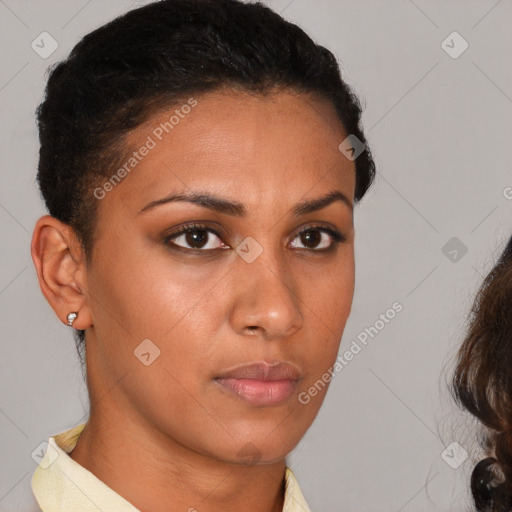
point(60, 484)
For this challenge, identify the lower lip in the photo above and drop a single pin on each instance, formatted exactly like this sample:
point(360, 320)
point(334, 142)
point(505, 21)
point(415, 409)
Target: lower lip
point(260, 392)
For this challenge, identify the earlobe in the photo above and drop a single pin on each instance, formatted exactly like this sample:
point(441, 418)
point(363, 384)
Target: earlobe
point(61, 270)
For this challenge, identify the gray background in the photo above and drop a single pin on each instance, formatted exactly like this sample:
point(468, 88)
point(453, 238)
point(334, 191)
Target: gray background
point(440, 129)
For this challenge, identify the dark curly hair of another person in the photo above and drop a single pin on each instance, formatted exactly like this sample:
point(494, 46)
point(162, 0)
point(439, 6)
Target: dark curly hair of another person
point(156, 56)
point(482, 384)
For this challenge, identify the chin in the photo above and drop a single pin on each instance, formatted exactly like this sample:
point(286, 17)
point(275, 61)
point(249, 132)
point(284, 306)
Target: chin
point(258, 451)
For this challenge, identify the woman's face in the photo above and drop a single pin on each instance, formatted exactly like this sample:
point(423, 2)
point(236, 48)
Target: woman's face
point(171, 312)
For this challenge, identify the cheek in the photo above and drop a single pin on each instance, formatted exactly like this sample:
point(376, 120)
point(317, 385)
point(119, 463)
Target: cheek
point(146, 294)
point(153, 297)
point(328, 292)
point(328, 309)
point(138, 299)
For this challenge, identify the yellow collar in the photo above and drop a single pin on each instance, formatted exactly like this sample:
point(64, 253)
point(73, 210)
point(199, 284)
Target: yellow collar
point(60, 484)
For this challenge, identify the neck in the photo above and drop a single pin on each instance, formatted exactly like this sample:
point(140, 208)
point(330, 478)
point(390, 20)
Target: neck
point(154, 472)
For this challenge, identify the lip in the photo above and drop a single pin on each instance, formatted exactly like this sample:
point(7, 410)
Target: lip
point(261, 382)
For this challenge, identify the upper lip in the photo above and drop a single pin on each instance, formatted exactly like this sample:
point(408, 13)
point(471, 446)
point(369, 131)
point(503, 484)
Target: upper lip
point(263, 370)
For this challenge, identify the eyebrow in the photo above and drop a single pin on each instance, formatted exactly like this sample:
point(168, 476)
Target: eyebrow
point(235, 208)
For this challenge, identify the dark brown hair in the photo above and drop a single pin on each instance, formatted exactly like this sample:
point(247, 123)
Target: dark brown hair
point(482, 384)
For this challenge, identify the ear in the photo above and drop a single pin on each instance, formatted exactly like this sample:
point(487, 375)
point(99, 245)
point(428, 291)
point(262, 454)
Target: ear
point(61, 269)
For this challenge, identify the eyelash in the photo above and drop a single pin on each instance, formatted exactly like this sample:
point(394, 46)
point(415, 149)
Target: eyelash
point(336, 236)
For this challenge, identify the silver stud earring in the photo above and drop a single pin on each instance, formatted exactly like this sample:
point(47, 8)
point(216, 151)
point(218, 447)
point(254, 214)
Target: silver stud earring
point(71, 317)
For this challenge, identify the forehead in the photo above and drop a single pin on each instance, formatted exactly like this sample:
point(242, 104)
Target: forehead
point(251, 146)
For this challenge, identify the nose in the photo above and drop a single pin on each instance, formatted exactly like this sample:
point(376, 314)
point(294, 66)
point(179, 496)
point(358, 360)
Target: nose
point(266, 300)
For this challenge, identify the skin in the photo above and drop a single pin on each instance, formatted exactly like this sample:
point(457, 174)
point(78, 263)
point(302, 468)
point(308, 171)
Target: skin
point(167, 432)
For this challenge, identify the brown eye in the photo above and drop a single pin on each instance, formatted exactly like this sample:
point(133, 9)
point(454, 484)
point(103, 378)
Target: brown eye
point(317, 238)
point(195, 237)
point(311, 238)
